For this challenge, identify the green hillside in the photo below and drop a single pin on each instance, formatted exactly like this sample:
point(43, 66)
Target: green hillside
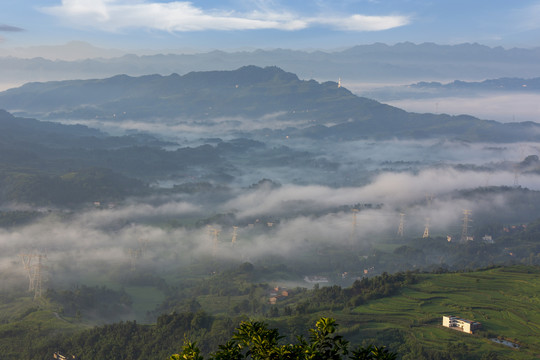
point(403, 312)
point(504, 300)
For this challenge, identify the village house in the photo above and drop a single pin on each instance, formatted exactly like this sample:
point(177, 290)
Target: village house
point(459, 324)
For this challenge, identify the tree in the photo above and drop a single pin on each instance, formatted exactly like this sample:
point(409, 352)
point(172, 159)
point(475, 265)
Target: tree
point(253, 340)
point(323, 344)
point(189, 351)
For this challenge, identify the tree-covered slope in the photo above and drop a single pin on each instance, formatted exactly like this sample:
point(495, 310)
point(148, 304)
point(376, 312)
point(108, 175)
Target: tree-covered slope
point(247, 93)
point(45, 163)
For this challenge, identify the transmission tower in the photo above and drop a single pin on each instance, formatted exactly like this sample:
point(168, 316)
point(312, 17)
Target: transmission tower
point(429, 200)
point(465, 230)
point(426, 229)
point(38, 276)
point(401, 224)
point(215, 239)
point(234, 235)
point(143, 243)
point(353, 229)
point(134, 255)
point(137, 253)
point(516, 176)
point(27, 260)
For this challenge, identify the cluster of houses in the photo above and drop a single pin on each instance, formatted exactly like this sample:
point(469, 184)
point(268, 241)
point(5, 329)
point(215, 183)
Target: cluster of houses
point(276, 294)
point(514, 228)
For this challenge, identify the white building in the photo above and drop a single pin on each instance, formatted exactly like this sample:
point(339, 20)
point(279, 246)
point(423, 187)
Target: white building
point(488, 239)
point(459, 324)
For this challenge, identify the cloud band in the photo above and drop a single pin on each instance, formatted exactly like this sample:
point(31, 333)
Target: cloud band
point(181, 16)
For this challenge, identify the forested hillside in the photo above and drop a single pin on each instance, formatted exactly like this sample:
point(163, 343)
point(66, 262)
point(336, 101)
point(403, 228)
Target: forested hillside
point(309, 108)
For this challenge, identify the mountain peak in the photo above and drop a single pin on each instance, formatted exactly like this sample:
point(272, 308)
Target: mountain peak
point(245, 75)
point(267, 73)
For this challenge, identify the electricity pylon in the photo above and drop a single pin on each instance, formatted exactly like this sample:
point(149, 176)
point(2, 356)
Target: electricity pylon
point(426, 229)
point(234, 235)
point(27, 260)
point(143, 243)
point(215, 239)
point(465, 229)
point(34, 272)
point(401, 224)
point(429, 200)
point(38, 276)
point(134, 255)
point(353, 229)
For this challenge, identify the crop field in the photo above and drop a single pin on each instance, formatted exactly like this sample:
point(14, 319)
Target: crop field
point(504, 300)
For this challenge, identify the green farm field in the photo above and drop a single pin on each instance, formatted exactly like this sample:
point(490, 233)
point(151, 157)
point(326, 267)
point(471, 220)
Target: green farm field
point(505, 300)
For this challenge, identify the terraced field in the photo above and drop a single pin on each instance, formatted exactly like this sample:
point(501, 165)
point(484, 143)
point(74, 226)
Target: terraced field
point(505, 300)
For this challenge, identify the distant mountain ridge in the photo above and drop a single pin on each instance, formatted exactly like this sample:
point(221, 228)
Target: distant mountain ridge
point(372, 63)
point(319, 110)
point(247, 91)
point(458, 88)
point(501, 84)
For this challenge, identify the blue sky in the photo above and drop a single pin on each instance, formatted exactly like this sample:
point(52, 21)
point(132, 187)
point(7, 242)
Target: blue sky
point(237, 24)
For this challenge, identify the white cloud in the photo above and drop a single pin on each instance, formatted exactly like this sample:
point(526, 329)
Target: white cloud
point(101, 241)
point(359, 22)
point(180, 16)
point(391, 189)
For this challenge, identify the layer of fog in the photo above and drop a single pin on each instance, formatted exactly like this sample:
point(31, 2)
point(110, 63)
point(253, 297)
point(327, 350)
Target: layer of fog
point(187, 130)
point(504, 108)
point(500, 106)
point(352, 163)
point(310, 209)
point(101, 242)
point(358, 162)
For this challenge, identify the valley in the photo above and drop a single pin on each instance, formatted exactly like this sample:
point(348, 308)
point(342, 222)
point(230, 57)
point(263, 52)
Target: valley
point(287, 200)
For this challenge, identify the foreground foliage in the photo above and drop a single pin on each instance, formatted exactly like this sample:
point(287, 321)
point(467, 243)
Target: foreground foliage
point(253, 340)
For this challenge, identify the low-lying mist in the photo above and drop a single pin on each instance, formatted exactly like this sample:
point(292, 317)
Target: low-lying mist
point(162, 234)
point(319, 206)
point(504, 108)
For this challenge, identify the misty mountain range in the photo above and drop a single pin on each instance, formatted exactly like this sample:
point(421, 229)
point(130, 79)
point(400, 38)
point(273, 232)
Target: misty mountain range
point(457, 88)
point(503, 84)
point(402, 62)
point(271, 95)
